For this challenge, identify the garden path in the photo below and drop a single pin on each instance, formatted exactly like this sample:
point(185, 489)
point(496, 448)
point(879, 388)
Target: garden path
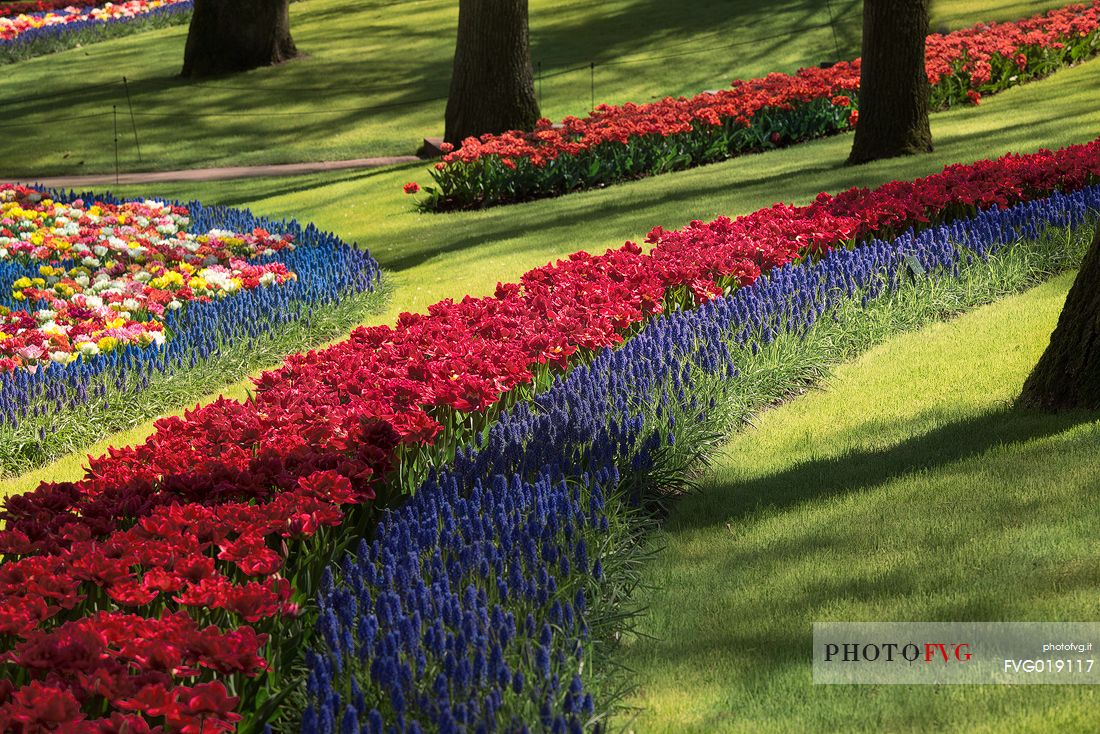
point(216, 174)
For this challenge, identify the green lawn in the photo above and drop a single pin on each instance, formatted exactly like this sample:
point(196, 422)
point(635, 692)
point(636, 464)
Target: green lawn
point(431, 257)
point(908, 489)
point(375, 75)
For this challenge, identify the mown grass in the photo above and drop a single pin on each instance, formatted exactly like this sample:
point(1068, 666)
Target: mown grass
point(375, 74)
point(431, 257)
point(908, 489)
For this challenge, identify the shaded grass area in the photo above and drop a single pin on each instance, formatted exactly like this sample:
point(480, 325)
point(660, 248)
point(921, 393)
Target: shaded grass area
point(434, 257)
point(909, 489)
point(375, 74)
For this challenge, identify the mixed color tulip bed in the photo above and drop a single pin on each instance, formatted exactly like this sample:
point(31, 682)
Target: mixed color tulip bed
point(131, 264)
point(176, 586)
point(32, 29)
point(26, 7)
point(8, 10)
point(617, 143)
point(104, 296)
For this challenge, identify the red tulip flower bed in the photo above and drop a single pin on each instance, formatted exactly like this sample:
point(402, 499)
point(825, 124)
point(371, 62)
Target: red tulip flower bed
point(619, 143)
point(164, 590)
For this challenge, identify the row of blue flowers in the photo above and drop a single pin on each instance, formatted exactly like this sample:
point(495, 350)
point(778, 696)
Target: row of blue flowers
point(47, 39)
point(329, 270)
point(471, 607)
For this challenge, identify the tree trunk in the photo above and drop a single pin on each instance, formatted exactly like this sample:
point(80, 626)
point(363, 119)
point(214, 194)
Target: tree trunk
point(492, 85)
point(1068, 374)
point(228, 36)
point(893, 85)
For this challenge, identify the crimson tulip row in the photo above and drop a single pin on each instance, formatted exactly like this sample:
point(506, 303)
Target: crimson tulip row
point(620, 143)
point(230, 513)
point(487, 601)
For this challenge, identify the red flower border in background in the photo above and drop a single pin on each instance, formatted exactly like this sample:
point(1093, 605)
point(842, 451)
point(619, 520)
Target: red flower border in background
point(616, 143)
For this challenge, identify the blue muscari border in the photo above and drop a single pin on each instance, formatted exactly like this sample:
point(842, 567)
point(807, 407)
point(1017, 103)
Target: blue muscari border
point(485, 557)
point(47, 33)
point(328, 271)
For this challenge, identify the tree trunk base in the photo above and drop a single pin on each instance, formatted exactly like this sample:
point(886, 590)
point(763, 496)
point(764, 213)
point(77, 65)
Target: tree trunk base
point(893, 85)
point(231, 36)
point(877, 150)
point(492, 84)
point(1067, 376)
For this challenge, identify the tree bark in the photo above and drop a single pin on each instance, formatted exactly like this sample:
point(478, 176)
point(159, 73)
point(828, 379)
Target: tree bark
point(1067, 376)
point(492, 84)
point(228, 36)
point(893, 85)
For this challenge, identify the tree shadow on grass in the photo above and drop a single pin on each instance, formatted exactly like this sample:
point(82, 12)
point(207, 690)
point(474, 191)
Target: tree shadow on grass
point(773, 587)
point(602, 39)
point(570, 212)
point(242, 192)
point(821, 479)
